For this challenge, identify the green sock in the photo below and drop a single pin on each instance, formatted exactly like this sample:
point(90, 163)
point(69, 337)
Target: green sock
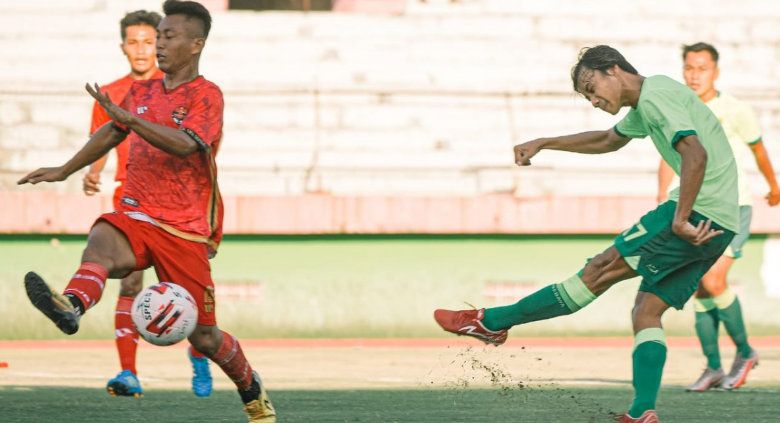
point(648, 358)
point(707, 330)
point(551, 301)
point(730, 313)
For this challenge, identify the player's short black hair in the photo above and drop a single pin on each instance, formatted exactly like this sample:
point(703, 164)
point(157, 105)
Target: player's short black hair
point(700, 46)
point(190, 9)
point(139, 17)
point(599, 58)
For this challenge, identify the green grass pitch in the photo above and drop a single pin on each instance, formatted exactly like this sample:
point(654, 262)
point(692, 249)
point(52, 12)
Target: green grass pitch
point(550, 404)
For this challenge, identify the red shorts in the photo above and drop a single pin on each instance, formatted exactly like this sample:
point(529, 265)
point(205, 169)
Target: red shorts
point(174, 259)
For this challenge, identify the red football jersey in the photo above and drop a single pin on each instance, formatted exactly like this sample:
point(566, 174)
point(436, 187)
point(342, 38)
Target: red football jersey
point(116, 91)
point(179, 193)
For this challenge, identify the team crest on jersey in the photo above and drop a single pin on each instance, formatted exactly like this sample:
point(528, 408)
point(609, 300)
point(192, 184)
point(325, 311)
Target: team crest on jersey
point(179, 114)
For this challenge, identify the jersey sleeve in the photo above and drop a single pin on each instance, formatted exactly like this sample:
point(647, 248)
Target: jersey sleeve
point(665, 111)
point(203, 122)
point(631, 126)
point(746, 125)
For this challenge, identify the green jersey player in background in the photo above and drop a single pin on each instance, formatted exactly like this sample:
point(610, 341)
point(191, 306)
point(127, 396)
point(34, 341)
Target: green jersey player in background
point(714, 302)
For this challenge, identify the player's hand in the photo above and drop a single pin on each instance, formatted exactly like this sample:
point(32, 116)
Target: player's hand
point(696, 235)
point(526, 150)
point(44, 174)
point(773, 198)
point(116, 113)
point(91, 183)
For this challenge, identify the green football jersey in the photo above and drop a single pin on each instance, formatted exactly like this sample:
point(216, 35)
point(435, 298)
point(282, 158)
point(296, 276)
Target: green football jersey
point(741, 127)
point(668, 111)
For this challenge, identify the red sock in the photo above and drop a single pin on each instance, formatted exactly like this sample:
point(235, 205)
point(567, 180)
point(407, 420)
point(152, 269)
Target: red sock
point(195, 353)
point(231, 359)
point(87, 284)
point(126, 334)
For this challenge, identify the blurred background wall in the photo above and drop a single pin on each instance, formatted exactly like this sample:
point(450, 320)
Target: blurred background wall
point(385, 115)
point(382, 117)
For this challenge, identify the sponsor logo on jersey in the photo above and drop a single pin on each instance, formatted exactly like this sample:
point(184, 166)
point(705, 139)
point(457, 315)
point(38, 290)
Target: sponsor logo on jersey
point(130, 201)
point(179, 114)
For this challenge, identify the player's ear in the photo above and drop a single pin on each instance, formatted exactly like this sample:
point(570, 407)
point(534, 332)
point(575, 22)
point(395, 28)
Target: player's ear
point(715, 73)
point(197, 45)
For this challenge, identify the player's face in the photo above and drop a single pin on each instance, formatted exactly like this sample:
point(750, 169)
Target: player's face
point(700, 72)
point(139, 48)
point(602, 89)
point(178, 43)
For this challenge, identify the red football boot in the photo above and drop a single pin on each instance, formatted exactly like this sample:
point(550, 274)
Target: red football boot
point(648, 416)
point(469, 323)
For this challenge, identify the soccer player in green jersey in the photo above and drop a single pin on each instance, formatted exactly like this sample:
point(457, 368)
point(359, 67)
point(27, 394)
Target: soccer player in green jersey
point(714, 302)
point(671, 247)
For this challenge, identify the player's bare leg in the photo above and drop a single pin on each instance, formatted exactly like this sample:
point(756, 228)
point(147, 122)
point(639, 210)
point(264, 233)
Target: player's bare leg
point(224, 350)
point(716, 303)
point(490, 325)
point(714, 282)
point(108, 254)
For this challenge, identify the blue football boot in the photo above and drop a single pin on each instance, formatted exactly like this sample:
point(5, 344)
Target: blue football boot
point(201, 375)
point(125, 384)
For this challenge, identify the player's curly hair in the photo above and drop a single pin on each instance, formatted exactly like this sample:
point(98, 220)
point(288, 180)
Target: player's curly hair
point(190, 9)
point(139, 17)
point(700, 46)
point(600, 58)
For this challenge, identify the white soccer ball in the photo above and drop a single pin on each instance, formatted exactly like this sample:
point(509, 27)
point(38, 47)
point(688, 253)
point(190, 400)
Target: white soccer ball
point(164, 314)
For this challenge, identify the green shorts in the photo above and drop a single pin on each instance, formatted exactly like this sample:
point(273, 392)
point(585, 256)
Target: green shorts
point(735, 248)
point(670, 266)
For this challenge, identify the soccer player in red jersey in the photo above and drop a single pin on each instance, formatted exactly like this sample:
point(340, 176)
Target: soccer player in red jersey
point(139, 33)
point(170, 215)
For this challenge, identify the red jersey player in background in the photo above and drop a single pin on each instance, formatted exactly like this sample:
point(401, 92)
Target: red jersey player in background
point(139, 35)
point(170, 214)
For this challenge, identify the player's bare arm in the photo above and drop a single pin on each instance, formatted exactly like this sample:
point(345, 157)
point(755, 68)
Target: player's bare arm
point(101, 142)
point(592, 142)
point(694, 162)
point(765, 166)
point(167, 139)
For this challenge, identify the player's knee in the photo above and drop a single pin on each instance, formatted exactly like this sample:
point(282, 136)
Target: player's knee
point(712, 287)
point(600, 262)
point(646, 311)
point(595, 275)
point(206, 339)
point(593, 270)
point(131, 285)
